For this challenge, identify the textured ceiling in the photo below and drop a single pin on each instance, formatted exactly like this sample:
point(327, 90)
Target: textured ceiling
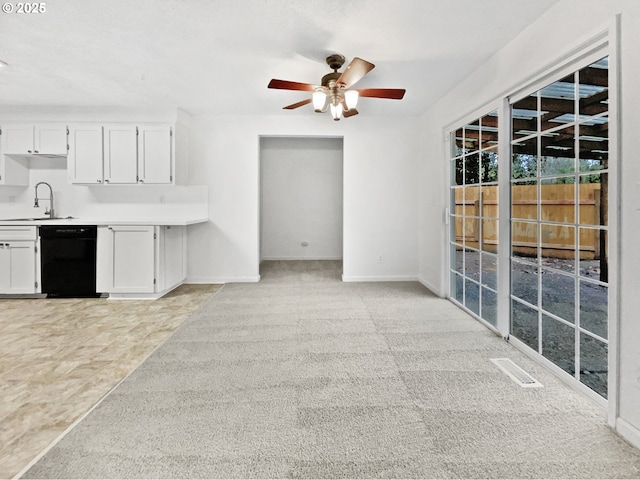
point(217, 56)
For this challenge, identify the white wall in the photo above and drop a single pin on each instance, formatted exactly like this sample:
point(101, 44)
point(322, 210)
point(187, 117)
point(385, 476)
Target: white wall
point(380, 193)
point(560, 29)
point(301, 198)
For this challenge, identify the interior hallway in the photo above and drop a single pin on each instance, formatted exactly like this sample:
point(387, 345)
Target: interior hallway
point(304, 376)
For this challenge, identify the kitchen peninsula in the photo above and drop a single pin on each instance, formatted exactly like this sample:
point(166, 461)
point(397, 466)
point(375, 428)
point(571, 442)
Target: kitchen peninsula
point(137, 258)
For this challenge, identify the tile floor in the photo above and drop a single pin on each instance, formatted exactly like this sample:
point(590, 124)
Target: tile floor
point(58, 357)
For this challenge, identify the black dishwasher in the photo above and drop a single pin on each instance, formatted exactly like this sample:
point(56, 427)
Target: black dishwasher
point(68, 260)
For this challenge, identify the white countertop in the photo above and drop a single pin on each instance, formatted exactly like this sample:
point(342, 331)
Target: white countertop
point(178, 221)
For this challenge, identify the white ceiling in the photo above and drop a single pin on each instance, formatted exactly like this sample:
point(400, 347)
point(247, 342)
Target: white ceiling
point(217, 56)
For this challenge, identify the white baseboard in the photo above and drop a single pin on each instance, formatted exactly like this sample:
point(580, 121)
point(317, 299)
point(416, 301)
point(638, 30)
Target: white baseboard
point(222, 280)
point(380, 278)
point(299, 258)
point(142, 296)
point(627, 431)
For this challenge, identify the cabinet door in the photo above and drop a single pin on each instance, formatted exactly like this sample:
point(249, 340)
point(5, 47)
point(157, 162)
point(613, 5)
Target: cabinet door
point(172, 257)
point(155, 154)
point(17, 267)
point(126, 260)
point(120, 154)
point(50, 139)
point(17, 139)
point(84, 164)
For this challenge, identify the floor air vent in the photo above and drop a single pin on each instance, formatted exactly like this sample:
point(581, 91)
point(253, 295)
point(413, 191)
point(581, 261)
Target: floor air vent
point(516, 374)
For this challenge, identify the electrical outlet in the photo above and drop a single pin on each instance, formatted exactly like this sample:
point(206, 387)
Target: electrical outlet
point(380, 259)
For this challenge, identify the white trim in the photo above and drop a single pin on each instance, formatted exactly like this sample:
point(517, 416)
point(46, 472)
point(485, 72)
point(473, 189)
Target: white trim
point(627, 431)
point(379, 278)
point(222, 280)
point(503, 324)
point(298, 258)
point(142, 296)
point(445, 260)
point(615, 258)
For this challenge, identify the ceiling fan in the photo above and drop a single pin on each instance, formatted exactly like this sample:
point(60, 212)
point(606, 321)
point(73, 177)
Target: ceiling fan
point(334, 91)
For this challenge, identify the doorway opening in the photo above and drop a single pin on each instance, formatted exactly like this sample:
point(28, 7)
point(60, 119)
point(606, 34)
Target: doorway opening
point(301, 201)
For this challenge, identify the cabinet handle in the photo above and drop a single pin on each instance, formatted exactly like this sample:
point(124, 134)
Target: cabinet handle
point(141, 181)
point(28, 151)
point(99, 181)
point(106, 181)
point(35, 151)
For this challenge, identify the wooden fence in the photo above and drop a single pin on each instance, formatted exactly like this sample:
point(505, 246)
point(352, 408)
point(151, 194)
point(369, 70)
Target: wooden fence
point(479, 206)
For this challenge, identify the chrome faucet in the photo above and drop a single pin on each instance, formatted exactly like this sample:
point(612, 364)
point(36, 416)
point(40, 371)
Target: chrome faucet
point(36, 204)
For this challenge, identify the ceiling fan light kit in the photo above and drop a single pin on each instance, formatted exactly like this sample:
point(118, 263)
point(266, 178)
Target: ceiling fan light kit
point(334, 92)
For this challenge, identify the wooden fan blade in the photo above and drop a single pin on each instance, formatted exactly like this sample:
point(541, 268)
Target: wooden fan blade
point(287, 85)
point(296, 105)
point(392, 93)
point(357, 69)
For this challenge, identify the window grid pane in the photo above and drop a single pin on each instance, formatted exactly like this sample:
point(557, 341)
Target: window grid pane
point(559, 223)
point(473, 229)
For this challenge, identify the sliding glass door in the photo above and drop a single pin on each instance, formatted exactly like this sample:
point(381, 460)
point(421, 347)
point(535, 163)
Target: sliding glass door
point(473, 217)
point(558, 233)
point(559, 223)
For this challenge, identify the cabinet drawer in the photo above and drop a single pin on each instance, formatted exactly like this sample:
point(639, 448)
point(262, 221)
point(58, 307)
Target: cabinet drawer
point(17, 232)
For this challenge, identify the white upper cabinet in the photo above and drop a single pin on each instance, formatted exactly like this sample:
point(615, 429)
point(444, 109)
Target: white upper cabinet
point(30, 139)
point(17, 139)
point(85, 160)
point(120, 154)
point(155, 154)
point(138, 154)
point(50, 139)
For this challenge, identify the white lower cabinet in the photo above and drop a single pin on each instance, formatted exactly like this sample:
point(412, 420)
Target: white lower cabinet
point(139, 261)
point(19, 262)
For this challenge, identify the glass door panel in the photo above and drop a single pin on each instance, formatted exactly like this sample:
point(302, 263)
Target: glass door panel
point(473, 233)
point(559, 224)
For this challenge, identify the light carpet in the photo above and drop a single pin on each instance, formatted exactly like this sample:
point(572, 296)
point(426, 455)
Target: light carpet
point(304, 376)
